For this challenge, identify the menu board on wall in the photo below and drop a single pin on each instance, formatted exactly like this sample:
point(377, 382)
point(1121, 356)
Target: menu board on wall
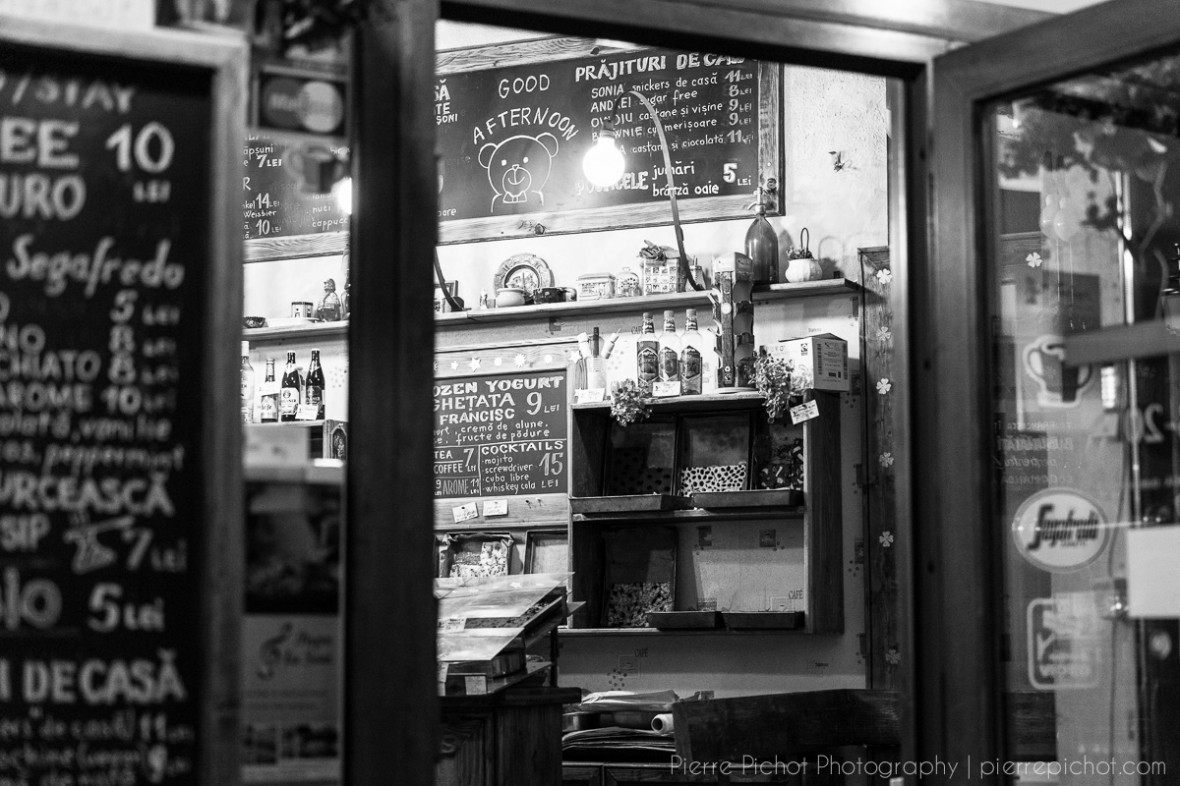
point(281, 185)
point(107, 264)
point(501, 435)
point(513, 129)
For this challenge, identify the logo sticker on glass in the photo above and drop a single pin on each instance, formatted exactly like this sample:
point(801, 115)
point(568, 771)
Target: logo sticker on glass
point(1060, 530)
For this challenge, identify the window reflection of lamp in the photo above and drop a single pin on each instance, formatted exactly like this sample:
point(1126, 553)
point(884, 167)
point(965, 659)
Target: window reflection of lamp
point(604, 165)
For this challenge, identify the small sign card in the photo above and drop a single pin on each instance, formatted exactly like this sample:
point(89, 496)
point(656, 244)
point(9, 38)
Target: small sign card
point(495, 507)
point(804, 412)
point(664, 389)
point(465, 512)
point(589, 395)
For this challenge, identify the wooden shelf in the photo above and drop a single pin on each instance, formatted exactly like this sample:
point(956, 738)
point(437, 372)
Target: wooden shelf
point(762, 292)
point(694, 515)
point(289, 424)
point(337, 329)
point(596, 632)
point(322, 471)
point(711, 402)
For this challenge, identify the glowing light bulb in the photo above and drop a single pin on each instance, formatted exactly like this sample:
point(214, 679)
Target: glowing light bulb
point(342, 193)
point(603, 164)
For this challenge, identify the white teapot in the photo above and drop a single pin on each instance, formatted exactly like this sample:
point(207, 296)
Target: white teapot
point(802, 266)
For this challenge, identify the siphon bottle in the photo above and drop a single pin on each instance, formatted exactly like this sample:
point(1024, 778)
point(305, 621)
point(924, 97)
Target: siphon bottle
point(313, 388)
point(268, 404)
point(647, 363)
point(290, 390)
point(669, 351)
point(247, 385)
point(690, 355)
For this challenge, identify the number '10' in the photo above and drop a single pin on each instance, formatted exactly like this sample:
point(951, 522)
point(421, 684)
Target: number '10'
point(148, 156)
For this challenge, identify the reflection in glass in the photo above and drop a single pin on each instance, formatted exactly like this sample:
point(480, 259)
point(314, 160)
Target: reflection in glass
point(1086, 399)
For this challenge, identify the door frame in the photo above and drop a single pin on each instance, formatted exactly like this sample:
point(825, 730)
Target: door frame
point(958, 588)
point(390, 710)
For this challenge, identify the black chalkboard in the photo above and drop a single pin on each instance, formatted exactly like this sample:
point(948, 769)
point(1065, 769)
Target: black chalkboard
point(108, 262)
point(501, 435)
point(279, 185)
point(513, 127)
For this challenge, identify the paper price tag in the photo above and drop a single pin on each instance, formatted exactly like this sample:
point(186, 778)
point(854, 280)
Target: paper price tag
point(269, 388)
point(306, 412)
point(587, 395)
point(662, 389)
point(452, 624)
point(495, 507)
point(475, 686)
point(803, 412)
point(465, 512)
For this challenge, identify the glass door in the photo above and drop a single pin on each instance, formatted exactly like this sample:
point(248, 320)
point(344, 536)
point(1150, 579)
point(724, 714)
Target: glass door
point(1052, 447)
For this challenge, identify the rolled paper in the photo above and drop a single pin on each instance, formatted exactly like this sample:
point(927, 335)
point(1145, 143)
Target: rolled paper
point(662, 723)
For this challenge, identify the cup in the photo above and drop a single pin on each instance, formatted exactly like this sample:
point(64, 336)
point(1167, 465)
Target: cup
point(301, 309)
point(549, 295)
point(571, 294)
point(1058, 384)
point(510, 296)
point(317, 168)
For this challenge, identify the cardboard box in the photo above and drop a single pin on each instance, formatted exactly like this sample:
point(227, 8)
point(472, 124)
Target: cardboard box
point(821, 360)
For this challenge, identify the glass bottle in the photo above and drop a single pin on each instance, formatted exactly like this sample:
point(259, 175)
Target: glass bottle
point(247, 385)
point(268, 405)
point(647, 363)
point(669, 349)
point(329, 308)
point(762, 246)
point(313, 388)
point(346, 298)
point(289, 391)
point(690, 355)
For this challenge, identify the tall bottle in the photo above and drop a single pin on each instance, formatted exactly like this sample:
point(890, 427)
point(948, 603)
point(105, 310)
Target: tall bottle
point(691, 345)
point(313, 388)
point(247, 385)
point(647, 361)
point(268, 404)
point(669, 349)
point(762, 246)
point(290, 390)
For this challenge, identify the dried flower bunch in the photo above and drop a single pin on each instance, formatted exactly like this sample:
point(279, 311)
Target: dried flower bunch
point(772, 378)
point(628, 403)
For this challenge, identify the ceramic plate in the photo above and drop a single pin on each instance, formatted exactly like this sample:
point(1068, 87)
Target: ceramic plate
point(523, 271)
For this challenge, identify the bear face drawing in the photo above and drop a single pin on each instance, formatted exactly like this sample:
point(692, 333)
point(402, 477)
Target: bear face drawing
point(518, 167)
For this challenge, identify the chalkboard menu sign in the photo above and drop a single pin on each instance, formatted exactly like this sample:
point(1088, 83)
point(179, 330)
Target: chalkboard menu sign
point(513, 127)
point(501, 435)
point(105, 168)
point(281, 182)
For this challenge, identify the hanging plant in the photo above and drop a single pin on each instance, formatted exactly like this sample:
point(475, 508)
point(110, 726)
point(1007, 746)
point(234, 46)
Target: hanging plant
point(772, 378)
point(629, 404)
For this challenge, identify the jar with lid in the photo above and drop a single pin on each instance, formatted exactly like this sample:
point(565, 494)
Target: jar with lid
point(627, 283)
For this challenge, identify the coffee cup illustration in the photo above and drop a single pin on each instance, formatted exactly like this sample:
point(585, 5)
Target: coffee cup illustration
point(316, 167)
point(1058, 384)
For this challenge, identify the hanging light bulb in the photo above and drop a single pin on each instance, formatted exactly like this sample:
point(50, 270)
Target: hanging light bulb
point(342, 193)
point(603, 164)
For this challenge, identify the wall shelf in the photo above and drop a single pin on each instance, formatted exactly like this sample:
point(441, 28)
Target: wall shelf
point(762, 293)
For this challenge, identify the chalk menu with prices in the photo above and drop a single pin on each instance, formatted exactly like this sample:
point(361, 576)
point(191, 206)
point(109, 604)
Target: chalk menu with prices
point(104, 174)
point(501, 435)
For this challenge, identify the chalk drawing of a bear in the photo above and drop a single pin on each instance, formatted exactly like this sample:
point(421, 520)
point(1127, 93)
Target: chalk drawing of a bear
point(518, 166)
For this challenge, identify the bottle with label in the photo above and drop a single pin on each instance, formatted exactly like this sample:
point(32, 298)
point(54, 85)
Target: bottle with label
point(647, 362)
point(762, 246)
point(669, 353)
point(268, 404)
point(290, 390)
point(690, 355)
point(247, 385)
point(313, 389)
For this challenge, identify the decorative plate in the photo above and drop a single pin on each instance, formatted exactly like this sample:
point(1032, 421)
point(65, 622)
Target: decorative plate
point(523, 271)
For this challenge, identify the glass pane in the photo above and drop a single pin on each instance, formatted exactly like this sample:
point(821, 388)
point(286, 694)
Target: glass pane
point(1085, 299)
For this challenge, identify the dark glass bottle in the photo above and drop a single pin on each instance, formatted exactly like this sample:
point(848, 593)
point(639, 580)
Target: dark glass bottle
point(290, 390)
point(268, 406)
point(762, 246)
point(669, 349)
point(313, 389)
point(647, 359)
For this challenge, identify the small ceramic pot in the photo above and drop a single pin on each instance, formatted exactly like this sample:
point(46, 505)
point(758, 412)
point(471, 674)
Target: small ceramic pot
point(510, 296)
point(549, 295)
point(253, 322)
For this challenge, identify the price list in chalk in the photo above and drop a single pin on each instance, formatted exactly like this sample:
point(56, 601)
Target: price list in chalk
point(281, 182)
point(105, 208)
point(500, 435)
